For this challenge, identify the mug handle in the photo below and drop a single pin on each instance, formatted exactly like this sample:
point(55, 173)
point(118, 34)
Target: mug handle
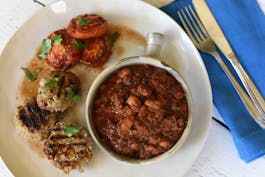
point(154, 44)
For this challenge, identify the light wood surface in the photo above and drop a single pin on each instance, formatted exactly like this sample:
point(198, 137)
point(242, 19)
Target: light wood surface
point(217, 159)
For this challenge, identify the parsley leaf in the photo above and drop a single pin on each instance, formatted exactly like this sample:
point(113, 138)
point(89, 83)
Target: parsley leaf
point(30, 76)
point(71, 94)
point(46, 45)
point(83, 21)
point(57, 39)
point(71, 130)
point(53, 82)
point(113, 37)
point(78, 44)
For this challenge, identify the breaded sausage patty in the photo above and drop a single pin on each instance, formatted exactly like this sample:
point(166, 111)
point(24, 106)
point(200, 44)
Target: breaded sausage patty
point(32, 122)
point(64, 55)
point(57, 91)
point(66, 152)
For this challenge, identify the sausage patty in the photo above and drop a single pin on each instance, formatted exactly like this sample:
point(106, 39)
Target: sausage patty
point(32, 122)
point(52, 91)
point(68, 153)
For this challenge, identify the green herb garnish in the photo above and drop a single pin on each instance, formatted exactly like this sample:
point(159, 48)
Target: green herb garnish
point(71, 94)
point(53, 82)
point(57, 39)
point(113, 37)
point(71, 130)
point(83, 21)
point(30, 76)
point(46, 45)
point(80, 44)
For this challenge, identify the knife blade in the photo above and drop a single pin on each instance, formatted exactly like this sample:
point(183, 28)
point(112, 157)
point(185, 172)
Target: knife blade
point(212, 26)
point(209, 22)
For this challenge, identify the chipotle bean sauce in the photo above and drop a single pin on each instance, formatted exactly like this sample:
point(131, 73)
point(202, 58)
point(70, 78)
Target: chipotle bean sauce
point(140, 111)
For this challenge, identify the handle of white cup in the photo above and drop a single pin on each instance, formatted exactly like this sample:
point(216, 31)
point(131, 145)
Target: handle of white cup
point(154, 44)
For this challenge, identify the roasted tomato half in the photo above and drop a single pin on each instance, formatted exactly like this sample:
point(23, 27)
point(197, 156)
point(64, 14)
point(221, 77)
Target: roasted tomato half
point(65, 54)
point(97, 52)
point(87, 26)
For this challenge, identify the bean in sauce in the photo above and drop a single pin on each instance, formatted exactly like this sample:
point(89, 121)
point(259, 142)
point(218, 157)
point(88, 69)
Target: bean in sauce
point(140, 111)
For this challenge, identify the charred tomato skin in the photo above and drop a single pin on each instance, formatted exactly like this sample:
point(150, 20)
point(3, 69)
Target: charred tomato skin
point(96, 27)
point(64, 55)
point(97, 52)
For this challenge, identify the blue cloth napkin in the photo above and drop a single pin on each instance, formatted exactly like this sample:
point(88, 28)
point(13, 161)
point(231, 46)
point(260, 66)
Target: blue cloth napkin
point(243, 23)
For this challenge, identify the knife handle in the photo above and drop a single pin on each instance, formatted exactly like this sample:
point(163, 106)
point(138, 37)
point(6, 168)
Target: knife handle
point(241, 92)
point(250, 87)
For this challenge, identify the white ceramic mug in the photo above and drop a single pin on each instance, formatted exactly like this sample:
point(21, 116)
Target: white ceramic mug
point(151, 57)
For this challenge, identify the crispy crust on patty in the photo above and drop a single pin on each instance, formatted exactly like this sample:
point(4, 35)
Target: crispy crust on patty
point(68, 153)
point(32, 122)
point(55, 99)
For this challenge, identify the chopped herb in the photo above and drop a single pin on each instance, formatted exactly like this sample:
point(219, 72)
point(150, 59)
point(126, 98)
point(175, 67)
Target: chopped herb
point(53, 82)
point(71, 130)
point(30, 76)
point(77, 43)
point(80, 44)
point(83, 21)
point(42, 55)
point(113, 37)
point(71, 94)
point(57, 39)
point(46, 45)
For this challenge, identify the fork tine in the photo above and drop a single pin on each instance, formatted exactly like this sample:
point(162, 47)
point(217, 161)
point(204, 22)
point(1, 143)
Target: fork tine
point(181, 15)
point(198, 21)
point(190, 26)
point(193, 22)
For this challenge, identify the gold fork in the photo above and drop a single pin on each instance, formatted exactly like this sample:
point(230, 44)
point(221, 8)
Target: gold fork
point(203, 42)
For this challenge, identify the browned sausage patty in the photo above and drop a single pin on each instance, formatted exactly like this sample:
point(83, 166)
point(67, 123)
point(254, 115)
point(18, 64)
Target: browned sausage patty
point(32, 122)
point(68, 153)
point(52, 91)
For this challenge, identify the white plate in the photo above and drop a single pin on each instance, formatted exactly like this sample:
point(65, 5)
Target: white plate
point(179, 53)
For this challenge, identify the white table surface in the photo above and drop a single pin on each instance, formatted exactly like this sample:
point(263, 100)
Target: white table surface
point(218, 158)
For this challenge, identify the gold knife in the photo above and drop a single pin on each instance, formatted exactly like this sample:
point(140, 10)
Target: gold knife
point(215, 32)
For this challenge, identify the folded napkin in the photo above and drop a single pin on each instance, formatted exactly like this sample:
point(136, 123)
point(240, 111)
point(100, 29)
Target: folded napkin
point(243, 23)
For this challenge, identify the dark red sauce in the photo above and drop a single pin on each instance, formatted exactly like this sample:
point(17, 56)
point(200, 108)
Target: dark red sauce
point(140, 111)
